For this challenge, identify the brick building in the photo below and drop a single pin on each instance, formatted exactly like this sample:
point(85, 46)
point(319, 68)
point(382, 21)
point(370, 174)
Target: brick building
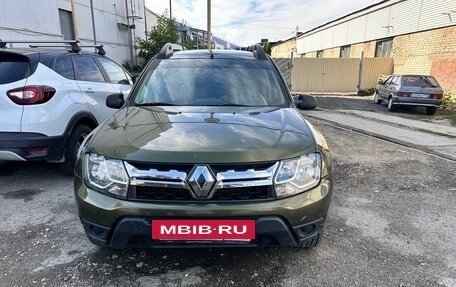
point(420, 35)
point(284, 48)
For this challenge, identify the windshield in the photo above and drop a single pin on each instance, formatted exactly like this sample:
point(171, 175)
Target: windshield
point(206, 82)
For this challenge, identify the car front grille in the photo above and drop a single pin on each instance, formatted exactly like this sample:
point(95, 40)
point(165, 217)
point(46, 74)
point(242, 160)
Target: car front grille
point(147, 193)
point(244, 193)
point(171, 183)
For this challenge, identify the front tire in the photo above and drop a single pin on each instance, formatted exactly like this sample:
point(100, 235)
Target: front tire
point(78, 135)
point(391, 107)
point(377, 99)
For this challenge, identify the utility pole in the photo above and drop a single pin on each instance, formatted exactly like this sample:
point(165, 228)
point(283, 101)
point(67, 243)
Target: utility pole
point(360, 73)
point(209, 34)
point(93, 23)
point(170, 11)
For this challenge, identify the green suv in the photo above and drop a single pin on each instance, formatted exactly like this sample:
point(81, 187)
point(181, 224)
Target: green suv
point(208, 150)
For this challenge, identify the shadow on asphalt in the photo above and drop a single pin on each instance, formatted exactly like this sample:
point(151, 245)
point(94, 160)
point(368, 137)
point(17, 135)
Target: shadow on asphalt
point(11, 168)
point(217, 261)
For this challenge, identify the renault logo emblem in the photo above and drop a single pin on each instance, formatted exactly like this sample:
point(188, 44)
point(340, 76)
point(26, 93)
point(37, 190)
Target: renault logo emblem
point(201, 180)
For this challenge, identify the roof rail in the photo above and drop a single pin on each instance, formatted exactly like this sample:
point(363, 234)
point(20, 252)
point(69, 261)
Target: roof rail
point(72, 43)
point(168, 50)
point(257, 50)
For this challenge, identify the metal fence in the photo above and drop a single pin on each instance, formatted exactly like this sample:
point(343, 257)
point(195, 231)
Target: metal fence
point(334, 75)
point(284, 65)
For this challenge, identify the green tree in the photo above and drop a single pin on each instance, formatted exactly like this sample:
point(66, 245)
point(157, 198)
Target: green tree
point(164, 32)
point(266, 47)
point(190, 44)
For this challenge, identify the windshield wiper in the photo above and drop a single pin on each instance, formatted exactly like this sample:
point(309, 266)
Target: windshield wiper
point(152, 104)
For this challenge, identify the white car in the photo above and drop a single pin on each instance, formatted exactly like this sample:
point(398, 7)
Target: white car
point(50, 99)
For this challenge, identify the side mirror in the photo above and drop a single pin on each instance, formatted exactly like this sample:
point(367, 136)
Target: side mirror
point(381, 82)
point(306, 102)
point(115, 101)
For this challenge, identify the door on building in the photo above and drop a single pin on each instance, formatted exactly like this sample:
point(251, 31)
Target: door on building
point(66, 24)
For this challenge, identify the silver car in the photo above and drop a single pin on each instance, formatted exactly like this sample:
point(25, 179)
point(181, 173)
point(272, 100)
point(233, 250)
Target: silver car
point(410, 90)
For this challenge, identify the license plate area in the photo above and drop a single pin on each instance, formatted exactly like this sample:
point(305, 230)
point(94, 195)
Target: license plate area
point(417, 95)
point(202, 231)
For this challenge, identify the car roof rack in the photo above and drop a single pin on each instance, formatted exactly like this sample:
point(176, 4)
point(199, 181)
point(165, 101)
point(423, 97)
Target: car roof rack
point(257, 50)
point(72, 44)
point(100, 50)
point(168, 50)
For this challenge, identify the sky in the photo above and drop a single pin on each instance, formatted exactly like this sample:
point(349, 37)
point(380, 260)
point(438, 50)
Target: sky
point(245, 22)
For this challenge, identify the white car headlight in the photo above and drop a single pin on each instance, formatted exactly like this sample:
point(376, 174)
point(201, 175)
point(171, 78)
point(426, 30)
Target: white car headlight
point(107, 175)
point(297, 175)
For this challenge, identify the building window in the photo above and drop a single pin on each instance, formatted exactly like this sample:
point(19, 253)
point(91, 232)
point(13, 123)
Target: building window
point(383, 48)
point(320, 54)
point(344, 52)
point(66, 24)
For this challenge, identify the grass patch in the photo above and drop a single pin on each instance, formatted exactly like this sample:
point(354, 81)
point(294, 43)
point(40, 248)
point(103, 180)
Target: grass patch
point(447, 114)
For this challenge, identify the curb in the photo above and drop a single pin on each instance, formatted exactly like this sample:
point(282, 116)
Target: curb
point(383, 137)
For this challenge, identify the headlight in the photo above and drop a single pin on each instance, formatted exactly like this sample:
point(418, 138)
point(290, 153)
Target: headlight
point(107, 175)
point(297, 175)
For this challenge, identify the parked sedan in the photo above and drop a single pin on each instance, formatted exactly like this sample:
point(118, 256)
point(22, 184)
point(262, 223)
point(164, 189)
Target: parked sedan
point(410, 90)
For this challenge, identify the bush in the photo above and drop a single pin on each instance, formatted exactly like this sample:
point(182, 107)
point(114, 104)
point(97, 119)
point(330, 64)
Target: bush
point(449, 98)
point(366, 92)
point(133, 70)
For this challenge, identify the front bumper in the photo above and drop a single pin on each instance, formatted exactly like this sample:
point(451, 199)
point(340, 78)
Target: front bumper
point(119, 223)
point(17, 146)
point(136, 232)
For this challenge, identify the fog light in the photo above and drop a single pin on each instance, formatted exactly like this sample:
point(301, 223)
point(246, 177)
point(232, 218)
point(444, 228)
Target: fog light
point(98, 232)
point(308, 229)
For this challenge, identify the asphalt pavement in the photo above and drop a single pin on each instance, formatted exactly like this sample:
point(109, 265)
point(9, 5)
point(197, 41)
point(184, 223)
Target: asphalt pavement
point(392, 222)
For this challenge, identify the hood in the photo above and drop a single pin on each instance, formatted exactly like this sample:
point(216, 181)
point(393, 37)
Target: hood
point(203, 135)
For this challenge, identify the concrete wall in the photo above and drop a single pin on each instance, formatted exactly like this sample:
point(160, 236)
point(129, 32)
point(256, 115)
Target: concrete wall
point(368, 49)
point(39, 21)
point(284, 49)
point(311, 55)
point(331, 53)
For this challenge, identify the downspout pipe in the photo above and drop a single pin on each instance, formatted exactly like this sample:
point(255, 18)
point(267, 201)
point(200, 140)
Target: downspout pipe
point(75, 23)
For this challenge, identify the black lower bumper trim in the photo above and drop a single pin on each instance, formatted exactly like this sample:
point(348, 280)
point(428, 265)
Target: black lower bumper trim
point(136, 232)
point(18, 143)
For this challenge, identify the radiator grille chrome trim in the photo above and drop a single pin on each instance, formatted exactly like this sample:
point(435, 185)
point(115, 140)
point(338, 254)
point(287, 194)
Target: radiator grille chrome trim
point(176, 179)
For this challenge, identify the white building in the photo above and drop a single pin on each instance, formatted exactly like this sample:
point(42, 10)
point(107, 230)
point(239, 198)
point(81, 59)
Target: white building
point(116, 23)
point(151, 19)
point(420, 36)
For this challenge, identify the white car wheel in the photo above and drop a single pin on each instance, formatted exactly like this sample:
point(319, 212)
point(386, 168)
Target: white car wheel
point(377, 99)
